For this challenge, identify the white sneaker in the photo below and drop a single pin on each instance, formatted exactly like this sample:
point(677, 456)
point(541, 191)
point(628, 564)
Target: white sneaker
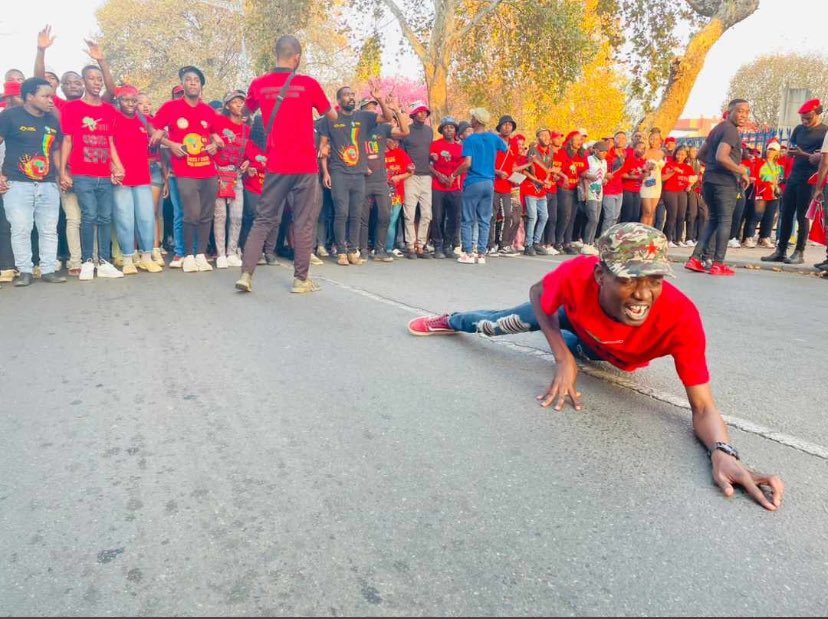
point(322, 252)
point(734, 243)
point(551, 251)
point(481, 259)
point(682, 244)
point(589, 250)
point(87, 273)
point(221, 262)
point(749, 243)
point(465, 258)
point(458, 252)
point(397, 253)
point(189, 264)
point(315, 261)
point(691, 243)
point(233, 260)
point(108, 271)
point(202, 264)
point(177, 262)
point(671, 245)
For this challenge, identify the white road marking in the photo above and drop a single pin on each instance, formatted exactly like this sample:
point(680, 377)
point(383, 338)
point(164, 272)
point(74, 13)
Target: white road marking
point(744, 425)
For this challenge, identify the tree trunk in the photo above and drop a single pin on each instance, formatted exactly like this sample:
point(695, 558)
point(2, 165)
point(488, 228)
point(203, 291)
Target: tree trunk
point(685, 69)
point(437, 82)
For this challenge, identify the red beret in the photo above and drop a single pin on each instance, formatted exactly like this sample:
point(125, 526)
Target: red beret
point(11, 89)
point(126, 91)
point(670, 139)
point(809, 106)
point(571, 135)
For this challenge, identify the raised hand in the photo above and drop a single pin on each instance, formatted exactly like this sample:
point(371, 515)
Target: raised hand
point(94, 50)
point(45, 38)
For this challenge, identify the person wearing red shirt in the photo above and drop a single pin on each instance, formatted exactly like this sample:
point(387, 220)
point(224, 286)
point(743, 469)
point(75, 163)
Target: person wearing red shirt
point(632, 175)
point(134, 207)
point(189, 128)
point(537, 205)
point(89, 152)
point(446, 194)
point(676, 177)
point(696, 208)
point(292, 166)
point(614, 189)
point(573, 164)
point(232, 165)
point(616, 307)
point(399, 167)
point(503, 204)
point(556, 139)
point(159, 176)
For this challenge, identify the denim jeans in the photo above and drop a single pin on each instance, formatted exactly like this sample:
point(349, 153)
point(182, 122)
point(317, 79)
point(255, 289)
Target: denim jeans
point(394, 218)
point(612, 211)
point(134, 211)
point(478, 202)
point(721, 200)
point(520, 319)
point(593, 212)
point(29, 204)
point(178, 219)
point(537, 214)
point(97, 202)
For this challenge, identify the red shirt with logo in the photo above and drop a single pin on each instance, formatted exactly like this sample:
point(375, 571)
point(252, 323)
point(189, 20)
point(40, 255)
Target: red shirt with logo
point(446, 157)
point(615, 162)
point(398, 162)
point(504, 162)
point(680, 180)
point(573, 167)
point(193, 127)
point(632, 165)
point(258, 162)
point(291, 148)
point(132, 144)
point(673, 327)
point(235, 136)
point(90, 127)
point(547, 160)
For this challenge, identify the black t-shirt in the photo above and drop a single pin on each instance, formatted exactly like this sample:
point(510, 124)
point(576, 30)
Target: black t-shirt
point(727, 133)
point(30, 141)
point(810, 140)
point(418, 146)
point(348, 135)
point(375, 153)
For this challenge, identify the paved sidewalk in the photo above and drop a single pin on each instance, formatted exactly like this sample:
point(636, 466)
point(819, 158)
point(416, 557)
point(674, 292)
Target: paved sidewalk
point(751, 259)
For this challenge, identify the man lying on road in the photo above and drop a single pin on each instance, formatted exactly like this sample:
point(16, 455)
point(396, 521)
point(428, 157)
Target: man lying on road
point(616, 307)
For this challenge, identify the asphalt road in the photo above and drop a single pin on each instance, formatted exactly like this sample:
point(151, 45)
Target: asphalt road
point(172, 447)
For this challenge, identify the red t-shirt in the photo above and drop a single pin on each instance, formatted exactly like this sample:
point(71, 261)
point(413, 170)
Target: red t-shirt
point(398, 162)
point(132, 144)
point(90, 127)
point(632, 165)
point(615, 162)
point(504, 162)
point(258, 162)
point(573, 167)
point(547, 158)
point(291, 148)
point(236, 137)
point(193, 127)
point(446, 157)
point(673, 327)
point(59, 103)
point(680, 180)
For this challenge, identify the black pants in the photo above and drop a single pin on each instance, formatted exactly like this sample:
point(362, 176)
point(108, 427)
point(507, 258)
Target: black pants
point(198, 201)
point(738, 215)
point(324, 227)
point(631, 207)
point(511, 216)
point(795, 202)
point(721, 200)
point(693, 200)
point(765, 213)
point(348, 193)
point(549, 235)
point(251, 209)
point(566, 206)
point(577, 223)
point(676, 203)
point(376, 196)
point(446, 208)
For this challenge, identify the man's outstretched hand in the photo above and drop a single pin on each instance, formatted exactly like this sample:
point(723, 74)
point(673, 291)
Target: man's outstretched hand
point(563, 386)
point(767, 490)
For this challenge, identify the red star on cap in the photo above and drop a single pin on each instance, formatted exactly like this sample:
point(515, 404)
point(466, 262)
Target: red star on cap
point(651, 249)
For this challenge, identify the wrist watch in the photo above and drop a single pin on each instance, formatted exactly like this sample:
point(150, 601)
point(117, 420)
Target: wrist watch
point(727, 448)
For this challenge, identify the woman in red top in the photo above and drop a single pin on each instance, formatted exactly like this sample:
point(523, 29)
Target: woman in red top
point(399, 167)
point(632, 175)
point(134, 208)
point(159, 176)
point(677, 177)
point(232, 165)
point(573, 160)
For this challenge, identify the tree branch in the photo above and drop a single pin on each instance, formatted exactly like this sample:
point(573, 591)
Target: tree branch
point(410, 35)
point(493, 4)
point(707, 8)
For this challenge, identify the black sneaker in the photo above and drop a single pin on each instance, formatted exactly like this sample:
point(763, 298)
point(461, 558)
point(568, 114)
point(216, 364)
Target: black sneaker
point(411, 254)
point(271, 259)
point(530, 251)
point(540, 250)
point(24, 280)
point(424, 255)
point(53, 278)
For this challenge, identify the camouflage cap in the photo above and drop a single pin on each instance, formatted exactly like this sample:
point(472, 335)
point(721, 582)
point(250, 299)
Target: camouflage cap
point(634, 250)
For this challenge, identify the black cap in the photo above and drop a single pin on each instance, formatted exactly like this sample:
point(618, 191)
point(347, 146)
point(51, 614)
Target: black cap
point(191, 69)
point(462, 126)
point(506, 119)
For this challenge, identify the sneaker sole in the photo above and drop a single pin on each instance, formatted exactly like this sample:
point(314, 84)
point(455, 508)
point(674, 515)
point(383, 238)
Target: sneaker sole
point(243, 288)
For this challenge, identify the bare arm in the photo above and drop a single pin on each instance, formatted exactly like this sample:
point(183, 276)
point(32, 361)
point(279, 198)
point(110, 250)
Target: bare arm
point(44, 41)
point(96, 53)
point(822, 174)
point(65, 151)
point(464, 167)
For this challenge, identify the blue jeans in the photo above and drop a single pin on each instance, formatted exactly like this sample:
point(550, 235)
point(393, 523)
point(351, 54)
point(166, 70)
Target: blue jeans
point(612, 211)
point(520, 319)
point(28, 204)
point(392, 227)
point(537, 214)
point(96, 200)
point(178, 219)
point(478, 201)
point(134, 210)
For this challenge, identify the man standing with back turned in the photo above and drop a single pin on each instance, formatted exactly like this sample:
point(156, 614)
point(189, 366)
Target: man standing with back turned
point(286, 99)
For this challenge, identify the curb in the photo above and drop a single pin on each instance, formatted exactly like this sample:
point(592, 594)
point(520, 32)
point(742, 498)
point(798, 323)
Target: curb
point(776, 267)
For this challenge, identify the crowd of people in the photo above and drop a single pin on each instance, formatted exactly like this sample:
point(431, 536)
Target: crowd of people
point(88, 165)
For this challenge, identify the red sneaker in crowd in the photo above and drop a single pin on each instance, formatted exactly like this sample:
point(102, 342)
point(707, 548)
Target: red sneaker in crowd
point(721, 269)
point(433, 325)
point(694, 264)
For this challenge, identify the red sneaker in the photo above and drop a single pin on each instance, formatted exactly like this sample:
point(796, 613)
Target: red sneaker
point(431, 325)
point(694, 264)
point(720, 268)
